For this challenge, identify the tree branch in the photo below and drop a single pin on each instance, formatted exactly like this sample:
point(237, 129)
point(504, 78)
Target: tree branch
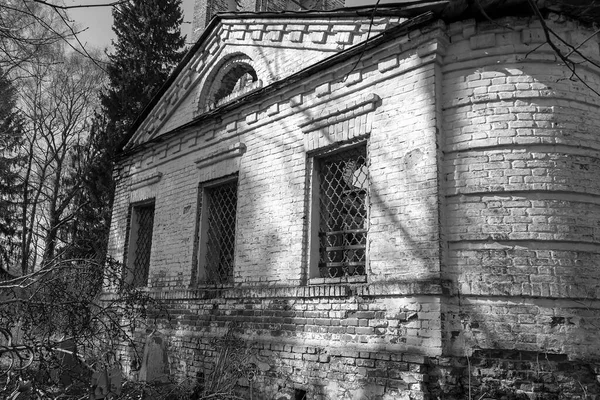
point(114, 3)
point(568, 63)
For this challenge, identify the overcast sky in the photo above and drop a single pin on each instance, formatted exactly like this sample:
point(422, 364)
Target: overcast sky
point(98, 21)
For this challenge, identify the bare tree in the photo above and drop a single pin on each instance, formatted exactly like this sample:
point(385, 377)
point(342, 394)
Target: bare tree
point(56, 298)
point(59, 101)
point(59, 312)
point(31, 27)
point(27, 31)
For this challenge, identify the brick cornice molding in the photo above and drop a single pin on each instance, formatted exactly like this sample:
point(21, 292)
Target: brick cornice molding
point(146, 180)
point(221, 40)
point(409, 288)
point(350, 110)
point(235, 150)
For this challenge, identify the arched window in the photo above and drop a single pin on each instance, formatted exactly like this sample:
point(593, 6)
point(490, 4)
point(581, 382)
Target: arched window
point(237, 77)
point(233, 78)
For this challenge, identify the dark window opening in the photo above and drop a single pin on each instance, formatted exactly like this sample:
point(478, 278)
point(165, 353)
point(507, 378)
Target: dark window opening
point(299, 394)
point(236, 79)
point(216, 232)
point(137, 255)
point(343, 183)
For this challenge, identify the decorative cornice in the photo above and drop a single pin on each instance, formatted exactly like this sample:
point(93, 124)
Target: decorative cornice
point(191, 72)
point(234, 151)
point(350, 110)
point(146, 180)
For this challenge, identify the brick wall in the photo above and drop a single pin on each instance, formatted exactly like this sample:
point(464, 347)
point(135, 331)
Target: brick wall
point(483, 224)
point(521, 211)
point(277, 49)
point(205, 10)
point(497, 374)
point(330, 341)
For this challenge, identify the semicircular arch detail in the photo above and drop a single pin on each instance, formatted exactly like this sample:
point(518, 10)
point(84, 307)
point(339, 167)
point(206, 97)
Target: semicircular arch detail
point(233, 77)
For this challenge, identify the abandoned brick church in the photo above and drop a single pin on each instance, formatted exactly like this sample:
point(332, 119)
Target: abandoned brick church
point(393, 202)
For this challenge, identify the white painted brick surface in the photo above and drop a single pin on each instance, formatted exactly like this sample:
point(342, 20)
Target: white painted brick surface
point(278, 50)
point(483, 170)
point(520, 167)
point(272, 209)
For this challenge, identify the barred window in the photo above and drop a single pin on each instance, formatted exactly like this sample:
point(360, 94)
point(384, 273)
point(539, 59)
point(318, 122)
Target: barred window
point(343, 182)
point(215, 239)
point(139, 244)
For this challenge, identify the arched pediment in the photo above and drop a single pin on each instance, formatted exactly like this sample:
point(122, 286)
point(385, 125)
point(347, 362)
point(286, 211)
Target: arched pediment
point(236, 56)
point(232, 77)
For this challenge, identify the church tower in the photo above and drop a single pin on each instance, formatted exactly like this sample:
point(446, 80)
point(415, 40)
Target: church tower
point(205, 10)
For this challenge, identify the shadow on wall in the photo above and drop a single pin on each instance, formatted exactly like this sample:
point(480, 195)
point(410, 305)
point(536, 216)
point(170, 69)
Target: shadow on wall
point(387, 221)
point(521, 156)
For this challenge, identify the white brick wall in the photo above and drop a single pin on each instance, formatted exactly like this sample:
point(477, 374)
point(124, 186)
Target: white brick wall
point(272, 186)
point(520, 167)
point(483, 166)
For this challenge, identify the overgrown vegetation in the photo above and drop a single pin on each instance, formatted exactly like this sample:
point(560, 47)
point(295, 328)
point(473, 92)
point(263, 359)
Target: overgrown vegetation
point(56, 329)
point(64, 366)
point(58, 141)
point(62, 120)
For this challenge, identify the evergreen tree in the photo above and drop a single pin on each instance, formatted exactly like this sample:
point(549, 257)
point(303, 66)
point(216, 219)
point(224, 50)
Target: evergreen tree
point(11, 138)
point(87, 232)
point(148, 46)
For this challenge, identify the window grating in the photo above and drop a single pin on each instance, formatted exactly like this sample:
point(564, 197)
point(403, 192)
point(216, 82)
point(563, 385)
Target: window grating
point(343, 187)
point(141, 258)
point(220, 245)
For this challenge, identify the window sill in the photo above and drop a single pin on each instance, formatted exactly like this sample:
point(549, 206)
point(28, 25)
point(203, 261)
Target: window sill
point(202, 285)
point(316, 289)
point(345, 279)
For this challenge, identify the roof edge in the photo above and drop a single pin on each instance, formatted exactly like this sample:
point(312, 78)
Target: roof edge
point(411, 10)
point(413, 23)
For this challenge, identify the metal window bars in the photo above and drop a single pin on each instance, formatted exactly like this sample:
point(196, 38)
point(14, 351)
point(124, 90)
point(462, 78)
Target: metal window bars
point(141, 262)
point(220, 245)
point(343, 184)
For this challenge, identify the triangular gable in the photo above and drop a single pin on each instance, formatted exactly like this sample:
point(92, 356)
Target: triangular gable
point(274, 46)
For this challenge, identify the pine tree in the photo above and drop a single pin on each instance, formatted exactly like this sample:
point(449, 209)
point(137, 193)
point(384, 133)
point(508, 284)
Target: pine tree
point(11, 138)
point(148, 46)
point(87, 232)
